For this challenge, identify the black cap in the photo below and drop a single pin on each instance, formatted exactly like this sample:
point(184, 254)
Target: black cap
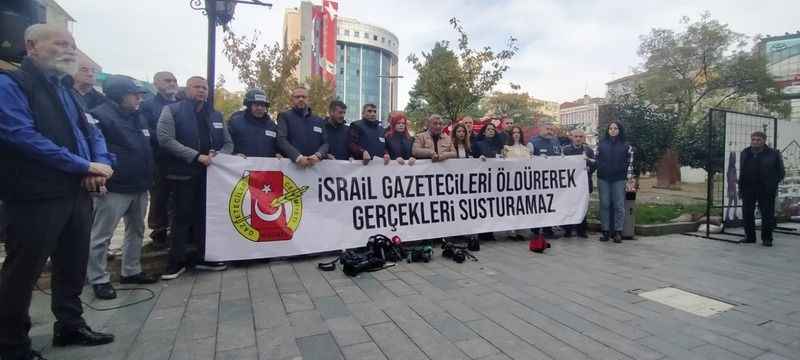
point(117, 86)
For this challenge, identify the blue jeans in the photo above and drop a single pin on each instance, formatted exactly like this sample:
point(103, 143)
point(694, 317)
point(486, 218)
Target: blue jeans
point(612, 204)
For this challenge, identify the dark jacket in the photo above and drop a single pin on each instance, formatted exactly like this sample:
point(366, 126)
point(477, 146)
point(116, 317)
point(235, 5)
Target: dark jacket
point(764, 169)
point(488, 148)
point(367, 136)
point(614, 157)
point(151, 110)
point(92, 99)
point(399, 146)
point(590, 161)
point(127, 137)
point(300, 133)
point(338, 139)
point(184, 135)
point(26, 179)
point(545, 146)
point(252, 136)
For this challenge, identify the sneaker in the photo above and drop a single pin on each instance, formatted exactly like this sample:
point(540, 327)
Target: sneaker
point(173, 272)
point(617, 237)
point(604, 236)
point(104, 291)
point(140, 278)
point(211, 266)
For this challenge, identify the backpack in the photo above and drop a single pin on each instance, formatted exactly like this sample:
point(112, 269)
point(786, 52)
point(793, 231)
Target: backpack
point(385, 248)
point(379, 250)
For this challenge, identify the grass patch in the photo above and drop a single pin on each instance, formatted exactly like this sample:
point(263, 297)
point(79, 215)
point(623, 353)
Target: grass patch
point(647, 214)
point(660, 214)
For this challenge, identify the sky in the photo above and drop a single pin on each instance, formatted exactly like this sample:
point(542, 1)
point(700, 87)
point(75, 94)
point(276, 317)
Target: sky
point(568, 48)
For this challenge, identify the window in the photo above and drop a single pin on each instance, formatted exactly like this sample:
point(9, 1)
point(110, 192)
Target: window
point(366, 35)
point(341, 71)
point(375, 37)
point(383, 39)
point(355, 34)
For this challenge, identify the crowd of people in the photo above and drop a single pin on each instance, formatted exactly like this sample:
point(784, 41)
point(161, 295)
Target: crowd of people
point(79, 161)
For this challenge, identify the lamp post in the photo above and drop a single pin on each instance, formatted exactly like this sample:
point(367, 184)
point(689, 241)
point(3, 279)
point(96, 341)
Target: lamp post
point(219, 13)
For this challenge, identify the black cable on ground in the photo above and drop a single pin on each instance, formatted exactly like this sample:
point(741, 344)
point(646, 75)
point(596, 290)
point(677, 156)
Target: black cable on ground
point(151, 296)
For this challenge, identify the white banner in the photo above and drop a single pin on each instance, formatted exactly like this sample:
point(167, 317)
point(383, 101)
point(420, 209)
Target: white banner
point(265, 207)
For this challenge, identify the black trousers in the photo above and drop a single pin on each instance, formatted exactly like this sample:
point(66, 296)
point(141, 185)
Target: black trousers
point(766, 206)
point(161, 214)
point(190, 220)
point(54, 228)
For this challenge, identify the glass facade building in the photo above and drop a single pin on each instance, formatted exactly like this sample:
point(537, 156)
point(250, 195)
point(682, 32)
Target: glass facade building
point(363, 78)
point(366, 68)
point(365, 63)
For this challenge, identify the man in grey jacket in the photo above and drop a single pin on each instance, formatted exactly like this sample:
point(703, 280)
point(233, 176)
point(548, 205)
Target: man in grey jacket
point(190, 133)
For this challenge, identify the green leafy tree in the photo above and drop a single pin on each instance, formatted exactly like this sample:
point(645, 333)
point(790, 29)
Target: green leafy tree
point(320, 94)
point(225, 101)
point(417, 113)
point(269, 67)
point(704, 65)
point(649, 130)
point(518, 106)
point(450, 82)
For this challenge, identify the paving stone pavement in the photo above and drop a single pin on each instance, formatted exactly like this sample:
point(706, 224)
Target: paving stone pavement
point(577, 301)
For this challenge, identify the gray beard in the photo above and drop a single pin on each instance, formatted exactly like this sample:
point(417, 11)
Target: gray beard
point(62, 67)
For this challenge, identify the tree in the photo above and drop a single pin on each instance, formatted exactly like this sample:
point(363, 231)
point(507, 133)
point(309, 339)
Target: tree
point(225, 101)
point(518, 106)
point(417, 113)
point(449, 83)
point(320, 94)
point(702, 66)
point(649, 130)
point(705, 65)
point(268, 67)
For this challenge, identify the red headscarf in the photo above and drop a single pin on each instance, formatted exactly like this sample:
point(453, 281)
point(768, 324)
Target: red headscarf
point(394, 118)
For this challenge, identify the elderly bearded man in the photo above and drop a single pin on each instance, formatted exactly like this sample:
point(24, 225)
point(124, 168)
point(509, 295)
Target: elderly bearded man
point(56, 158)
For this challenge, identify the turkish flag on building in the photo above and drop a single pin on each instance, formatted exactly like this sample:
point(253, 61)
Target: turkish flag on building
point(266, 186)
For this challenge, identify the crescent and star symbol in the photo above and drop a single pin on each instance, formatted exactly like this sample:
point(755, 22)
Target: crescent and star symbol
point(262, 215)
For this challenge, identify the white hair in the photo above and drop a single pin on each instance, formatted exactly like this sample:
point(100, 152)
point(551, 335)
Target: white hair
point(37, 32)
point(434, 116)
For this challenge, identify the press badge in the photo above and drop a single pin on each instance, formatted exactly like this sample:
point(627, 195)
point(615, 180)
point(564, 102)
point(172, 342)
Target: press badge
point(270, 133)
point(146, 132)
point(90, 119)
point(381, 139)
point(217, 125)
point(318, 129)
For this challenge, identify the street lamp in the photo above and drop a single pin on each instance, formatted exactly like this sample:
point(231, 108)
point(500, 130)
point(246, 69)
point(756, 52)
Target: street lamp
point(219, 13)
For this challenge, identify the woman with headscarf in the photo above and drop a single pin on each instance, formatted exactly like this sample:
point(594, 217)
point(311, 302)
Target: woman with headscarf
point(614, 171)
point(398, 140)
